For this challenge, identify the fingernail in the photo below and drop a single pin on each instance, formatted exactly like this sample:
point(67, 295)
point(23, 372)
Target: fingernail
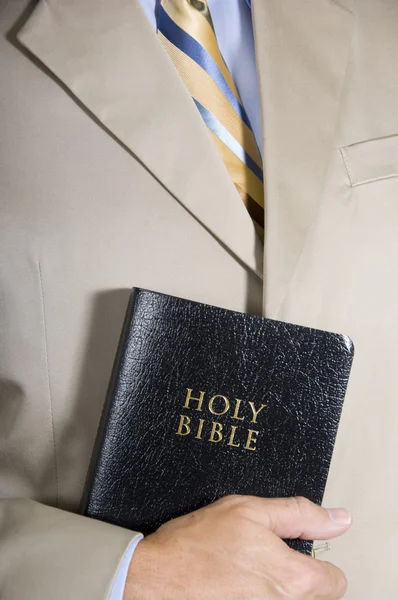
point(340, 516)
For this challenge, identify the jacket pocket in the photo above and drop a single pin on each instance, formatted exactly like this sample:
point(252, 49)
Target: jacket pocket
point(371, 160)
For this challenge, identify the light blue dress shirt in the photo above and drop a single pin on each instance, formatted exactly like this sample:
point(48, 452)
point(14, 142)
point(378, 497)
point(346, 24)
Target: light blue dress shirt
point(234, 31)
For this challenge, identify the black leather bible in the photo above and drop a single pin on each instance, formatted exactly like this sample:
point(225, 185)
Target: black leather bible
point(206, 402)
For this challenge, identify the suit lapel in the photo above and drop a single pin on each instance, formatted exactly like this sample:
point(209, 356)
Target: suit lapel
point(302, 50)
point(109, 56)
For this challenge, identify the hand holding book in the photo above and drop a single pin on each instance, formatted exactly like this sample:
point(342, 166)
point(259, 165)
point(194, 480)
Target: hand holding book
point(233, 549)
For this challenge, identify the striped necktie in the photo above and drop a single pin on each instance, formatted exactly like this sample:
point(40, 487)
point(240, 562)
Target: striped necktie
point(186, 30)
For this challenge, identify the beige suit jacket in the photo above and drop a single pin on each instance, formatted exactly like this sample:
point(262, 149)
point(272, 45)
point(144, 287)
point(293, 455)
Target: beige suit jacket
point(109, 179)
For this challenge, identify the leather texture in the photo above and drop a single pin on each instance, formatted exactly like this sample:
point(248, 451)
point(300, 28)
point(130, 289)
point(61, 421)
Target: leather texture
point(146, 473)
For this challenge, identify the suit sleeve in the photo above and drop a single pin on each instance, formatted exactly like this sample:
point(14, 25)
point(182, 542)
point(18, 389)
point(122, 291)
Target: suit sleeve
point(48, 553)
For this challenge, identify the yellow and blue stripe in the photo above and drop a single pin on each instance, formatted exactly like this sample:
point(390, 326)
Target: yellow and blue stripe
point(188, 36)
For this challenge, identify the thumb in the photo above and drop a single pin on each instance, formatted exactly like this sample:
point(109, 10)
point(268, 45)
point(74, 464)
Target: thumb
point(300, 518)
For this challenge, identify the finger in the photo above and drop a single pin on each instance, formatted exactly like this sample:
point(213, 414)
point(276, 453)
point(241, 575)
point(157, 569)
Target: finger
point(299, 518)
point(329, 581)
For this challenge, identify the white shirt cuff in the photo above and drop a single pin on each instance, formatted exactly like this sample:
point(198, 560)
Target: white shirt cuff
point(119, 583)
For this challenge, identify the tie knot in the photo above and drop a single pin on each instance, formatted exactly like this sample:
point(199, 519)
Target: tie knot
point(200, 5)
point(189, 7)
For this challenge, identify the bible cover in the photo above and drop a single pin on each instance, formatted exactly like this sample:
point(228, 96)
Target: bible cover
point(206, 402)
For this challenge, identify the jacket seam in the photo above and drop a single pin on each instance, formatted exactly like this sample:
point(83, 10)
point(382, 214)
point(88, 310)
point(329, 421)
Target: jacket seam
point(360, 182)
point(49, 385)
point(345, 160)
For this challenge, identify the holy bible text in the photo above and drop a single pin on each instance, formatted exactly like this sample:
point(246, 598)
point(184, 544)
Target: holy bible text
point(231, 431)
